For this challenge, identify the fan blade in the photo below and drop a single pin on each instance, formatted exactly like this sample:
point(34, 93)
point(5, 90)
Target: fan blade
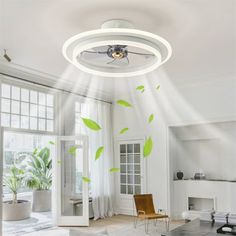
point(139, 53)
point(110, 62)
point(94, 52)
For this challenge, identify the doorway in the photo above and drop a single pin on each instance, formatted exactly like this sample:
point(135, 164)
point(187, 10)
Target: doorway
point(19, 150)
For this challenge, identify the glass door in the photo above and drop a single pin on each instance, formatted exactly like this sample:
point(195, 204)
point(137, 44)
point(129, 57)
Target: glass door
point(72, 181)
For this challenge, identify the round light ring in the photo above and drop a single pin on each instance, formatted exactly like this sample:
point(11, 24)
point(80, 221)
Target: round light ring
point(152, 43)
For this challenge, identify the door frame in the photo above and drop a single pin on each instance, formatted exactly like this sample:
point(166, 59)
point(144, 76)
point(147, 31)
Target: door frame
point(71, 220)
point(22, 131)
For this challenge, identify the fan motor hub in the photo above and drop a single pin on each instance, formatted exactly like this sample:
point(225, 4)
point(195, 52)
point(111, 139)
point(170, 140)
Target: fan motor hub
point(117, 51)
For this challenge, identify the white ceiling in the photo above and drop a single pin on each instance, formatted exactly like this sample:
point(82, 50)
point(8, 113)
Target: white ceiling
point(201, 32)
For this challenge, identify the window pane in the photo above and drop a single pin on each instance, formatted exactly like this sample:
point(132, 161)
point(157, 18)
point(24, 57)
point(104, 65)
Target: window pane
point(50, 127)
point(5, 105)
point(136, 148)
point(130, 148)
point(42, 98)
point(33, 123)
point(25, 95)
point(137, 179)
point(15, 93)
point(122, 168)
point(137, 189)
point(130, 158)
point(130, 179)
point(5, 120)
point(130, 169)
point(15, 121)
point(42, 111)
point(137, 169)
point(25, 108)
point(49, 112)
point(24, 122)
point(123, 159)
point(123, 189)
point(6, 93)
point(42, 124)
point(33, 110)
point(33, 97)
point(123, 179)
point(49, 100)
point(123, 148)
point(15, 107)
point(130, 189)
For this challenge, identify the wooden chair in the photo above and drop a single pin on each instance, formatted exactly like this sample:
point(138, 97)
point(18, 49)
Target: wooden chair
point(146, 211)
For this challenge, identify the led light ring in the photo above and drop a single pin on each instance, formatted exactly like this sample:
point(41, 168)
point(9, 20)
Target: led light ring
point(83, 38)
point(99, 71)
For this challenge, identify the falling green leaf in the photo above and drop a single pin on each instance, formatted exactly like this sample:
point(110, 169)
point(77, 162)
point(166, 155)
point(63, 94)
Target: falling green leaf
point(86, 179)
point(124, 130)
point(150, 119)
point(124, 103)
point(51, 142)
point(142, 90)
point(158, 87)
point(147, 149)
point(114, 169)
point(72, 150)
point(91, 124)
point(99, 152)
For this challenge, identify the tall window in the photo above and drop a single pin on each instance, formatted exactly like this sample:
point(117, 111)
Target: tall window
point(26, 109)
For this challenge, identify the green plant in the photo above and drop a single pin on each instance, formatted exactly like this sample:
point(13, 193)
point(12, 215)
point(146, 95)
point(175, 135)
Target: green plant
point(39, 170)
point(14, 180)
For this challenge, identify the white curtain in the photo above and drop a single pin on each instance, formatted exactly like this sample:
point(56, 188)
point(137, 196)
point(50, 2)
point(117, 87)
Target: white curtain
point(102, 187)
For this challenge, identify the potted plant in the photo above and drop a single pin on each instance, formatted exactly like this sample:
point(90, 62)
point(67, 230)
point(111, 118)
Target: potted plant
point(39, 178)
point(15, 209)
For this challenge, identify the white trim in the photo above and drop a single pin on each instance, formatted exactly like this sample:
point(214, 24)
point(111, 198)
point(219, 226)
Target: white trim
point(70, 220)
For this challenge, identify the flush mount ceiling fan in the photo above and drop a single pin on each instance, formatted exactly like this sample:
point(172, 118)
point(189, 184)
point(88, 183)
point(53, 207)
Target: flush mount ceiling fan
point(117, 53)
point(117, 50)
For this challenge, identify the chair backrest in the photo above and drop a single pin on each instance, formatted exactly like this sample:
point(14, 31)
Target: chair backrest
point(144, 202)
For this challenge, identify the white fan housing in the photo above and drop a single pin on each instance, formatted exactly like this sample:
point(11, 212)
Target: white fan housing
point(117, 50)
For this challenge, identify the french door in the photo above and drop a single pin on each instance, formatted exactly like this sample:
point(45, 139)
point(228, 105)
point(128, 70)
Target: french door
point(132, 177)
point(72, 181)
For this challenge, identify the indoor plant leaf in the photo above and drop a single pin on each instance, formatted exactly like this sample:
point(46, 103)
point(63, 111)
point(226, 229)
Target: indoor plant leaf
point(114, 169)
point(91, 124)
point(51, 142)
point(86, 179)
point(124, 103)
point(99, 152)
point(122, 131)
point(150, 119)
point(158, 87)
point(147, 149)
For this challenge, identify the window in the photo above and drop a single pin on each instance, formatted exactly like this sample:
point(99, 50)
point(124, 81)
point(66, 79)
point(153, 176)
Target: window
point(130, 168)
point(26, 109)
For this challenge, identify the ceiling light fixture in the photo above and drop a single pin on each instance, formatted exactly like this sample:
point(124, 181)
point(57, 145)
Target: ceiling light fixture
point(117, 50)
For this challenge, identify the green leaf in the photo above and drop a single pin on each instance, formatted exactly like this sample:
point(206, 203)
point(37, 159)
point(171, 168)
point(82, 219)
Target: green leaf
point(99, 152)
point(58, 162)
point(122, 131)
point(72, 150)
point(86, 179)
point(147, 149)
point(91, 124)
point(114, 169)
point(158, 87)
point(124, 103)
point(142, 90)
point(51, 142)
point(150, 119)
point(141, 87)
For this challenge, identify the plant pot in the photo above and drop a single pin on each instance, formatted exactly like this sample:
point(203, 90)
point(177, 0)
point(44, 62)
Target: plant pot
point(41, 200)
point(16, 211)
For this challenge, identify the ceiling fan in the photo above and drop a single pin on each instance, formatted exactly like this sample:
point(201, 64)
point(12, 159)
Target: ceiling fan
point(117, 53)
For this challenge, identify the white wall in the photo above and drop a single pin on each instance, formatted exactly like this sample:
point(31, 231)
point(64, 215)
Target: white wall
point(211, 100)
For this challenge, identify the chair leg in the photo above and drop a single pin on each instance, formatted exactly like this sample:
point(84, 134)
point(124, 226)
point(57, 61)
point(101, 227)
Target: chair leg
point(167, 223)
point(146, 225)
